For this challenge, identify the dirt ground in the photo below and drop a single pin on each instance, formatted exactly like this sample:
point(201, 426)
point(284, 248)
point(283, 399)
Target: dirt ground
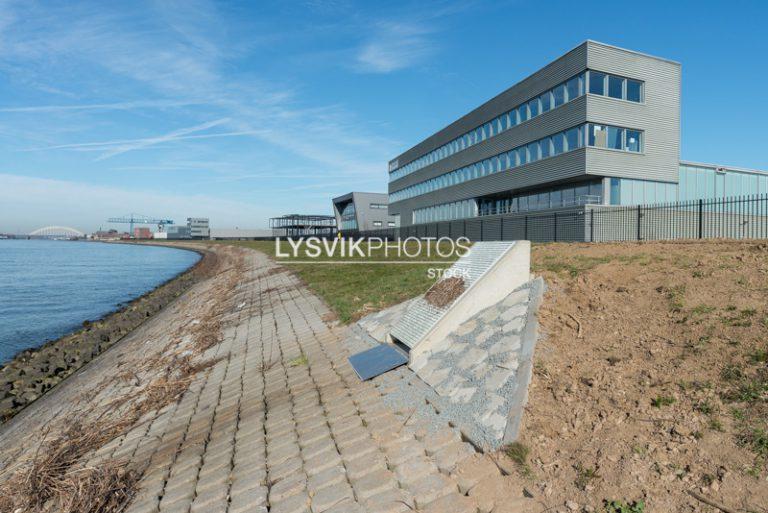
point(651, 380)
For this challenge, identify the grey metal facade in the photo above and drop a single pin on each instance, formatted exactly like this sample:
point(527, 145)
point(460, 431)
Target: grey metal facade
point(657, 116)
point(366, 215)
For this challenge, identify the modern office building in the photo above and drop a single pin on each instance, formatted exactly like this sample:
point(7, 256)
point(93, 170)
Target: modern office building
point(363, 211)
point(598, 126)
point(199, 227)
point(303, 225)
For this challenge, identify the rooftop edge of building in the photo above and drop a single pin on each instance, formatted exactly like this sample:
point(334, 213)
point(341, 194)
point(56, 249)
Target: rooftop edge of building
point(584, 44)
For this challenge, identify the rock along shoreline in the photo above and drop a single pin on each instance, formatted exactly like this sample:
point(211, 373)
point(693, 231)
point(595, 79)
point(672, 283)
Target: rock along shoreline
point(33, 372)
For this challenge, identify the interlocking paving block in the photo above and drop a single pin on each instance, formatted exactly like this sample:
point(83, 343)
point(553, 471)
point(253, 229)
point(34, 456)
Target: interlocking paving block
point(452, 503)
point(332, 496)
point(376, 361)
point(431, 488)
point(473, 470)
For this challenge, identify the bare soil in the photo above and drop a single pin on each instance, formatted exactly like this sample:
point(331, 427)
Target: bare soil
point(651, 383)
point(445, 291)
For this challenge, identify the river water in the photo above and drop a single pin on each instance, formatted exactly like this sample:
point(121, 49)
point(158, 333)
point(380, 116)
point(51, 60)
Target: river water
point(48, 288)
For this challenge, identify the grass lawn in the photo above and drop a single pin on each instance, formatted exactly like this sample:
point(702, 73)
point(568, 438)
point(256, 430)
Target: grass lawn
point(354, 290)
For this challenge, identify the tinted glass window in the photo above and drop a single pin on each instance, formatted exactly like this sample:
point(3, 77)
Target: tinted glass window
point(533, 107)
point(633, 140)
point(596, 136)
point(573, 88)
point(615, 87)
point(634, 91)
point(545, 150)
point(558, 142)
point(556, 198)
point(522, 156)
point(546, 103)
point(596, 82)
point(572, 139)
point(559, 95)
point(522, 113)
point(533, 152)
point(614, 136)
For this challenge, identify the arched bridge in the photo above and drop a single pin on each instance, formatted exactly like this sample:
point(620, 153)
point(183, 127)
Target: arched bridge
point(57, 232)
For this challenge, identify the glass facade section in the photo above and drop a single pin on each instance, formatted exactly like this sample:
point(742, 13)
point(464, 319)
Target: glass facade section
point(585, 193)
point(613, 86)
point(600, 136)
point(445, 212)
point(563, 93)
point(599, 83)
point(614, 138)
point(348, 217)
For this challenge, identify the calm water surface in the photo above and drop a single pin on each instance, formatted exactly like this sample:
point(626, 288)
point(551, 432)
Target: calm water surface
point(48, 288)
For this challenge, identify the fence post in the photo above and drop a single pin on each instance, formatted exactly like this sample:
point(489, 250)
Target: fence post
point(481, 229)
point(501, 228)
point(701, 218)
point(639, 215)
point(525, 229)
point(591, 225)
point(554, 218)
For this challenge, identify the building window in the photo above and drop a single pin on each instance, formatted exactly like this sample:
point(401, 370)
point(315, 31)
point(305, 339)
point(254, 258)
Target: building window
point(615, 87)
point(614, 136)
point(632, 141)
point(377, 223)
point(559, 95)
point(391, 224)
point(573, 87)
point(378, 206)
point(546, 102)
point(597, 82)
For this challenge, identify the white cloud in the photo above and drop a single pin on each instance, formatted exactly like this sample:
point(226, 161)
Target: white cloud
point(129, 105)
point(395, 46)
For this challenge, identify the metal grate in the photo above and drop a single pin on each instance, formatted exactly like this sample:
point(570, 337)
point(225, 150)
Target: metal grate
point(421, 316)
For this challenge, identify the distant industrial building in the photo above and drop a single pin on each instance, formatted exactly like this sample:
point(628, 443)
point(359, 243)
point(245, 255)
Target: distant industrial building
point(141, 232)
point(303, 225)
point(239, 234)
point(363, 211)
point(177, 232)
point(199, 227)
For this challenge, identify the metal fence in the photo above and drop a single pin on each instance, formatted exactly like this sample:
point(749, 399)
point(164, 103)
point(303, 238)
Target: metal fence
point(734, 218)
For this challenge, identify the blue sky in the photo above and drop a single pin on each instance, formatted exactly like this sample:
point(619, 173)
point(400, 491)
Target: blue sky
point(244, 110)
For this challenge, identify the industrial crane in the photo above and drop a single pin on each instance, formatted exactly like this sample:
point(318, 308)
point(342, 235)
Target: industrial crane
point(140, 219)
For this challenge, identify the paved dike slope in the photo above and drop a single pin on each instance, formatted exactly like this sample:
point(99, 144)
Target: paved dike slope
point(237, 398)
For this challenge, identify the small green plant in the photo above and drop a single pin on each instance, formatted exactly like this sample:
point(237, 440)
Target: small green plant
point(705, 407)
point(584, 476)
point(702, 309)
point(675, 295)
point(300, 360)
point(615, 506)
point(518, 453)
point(716, 425)
point(731, 372)
point(759, 356)
point(662, 400)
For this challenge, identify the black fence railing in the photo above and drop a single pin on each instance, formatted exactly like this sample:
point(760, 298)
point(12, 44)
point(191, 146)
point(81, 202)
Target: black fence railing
point(744, 217)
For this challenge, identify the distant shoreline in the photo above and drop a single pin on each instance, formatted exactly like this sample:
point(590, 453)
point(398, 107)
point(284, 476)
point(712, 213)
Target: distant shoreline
point(34, 371)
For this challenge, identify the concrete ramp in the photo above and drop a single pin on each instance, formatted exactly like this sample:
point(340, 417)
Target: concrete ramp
point(491, 270)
